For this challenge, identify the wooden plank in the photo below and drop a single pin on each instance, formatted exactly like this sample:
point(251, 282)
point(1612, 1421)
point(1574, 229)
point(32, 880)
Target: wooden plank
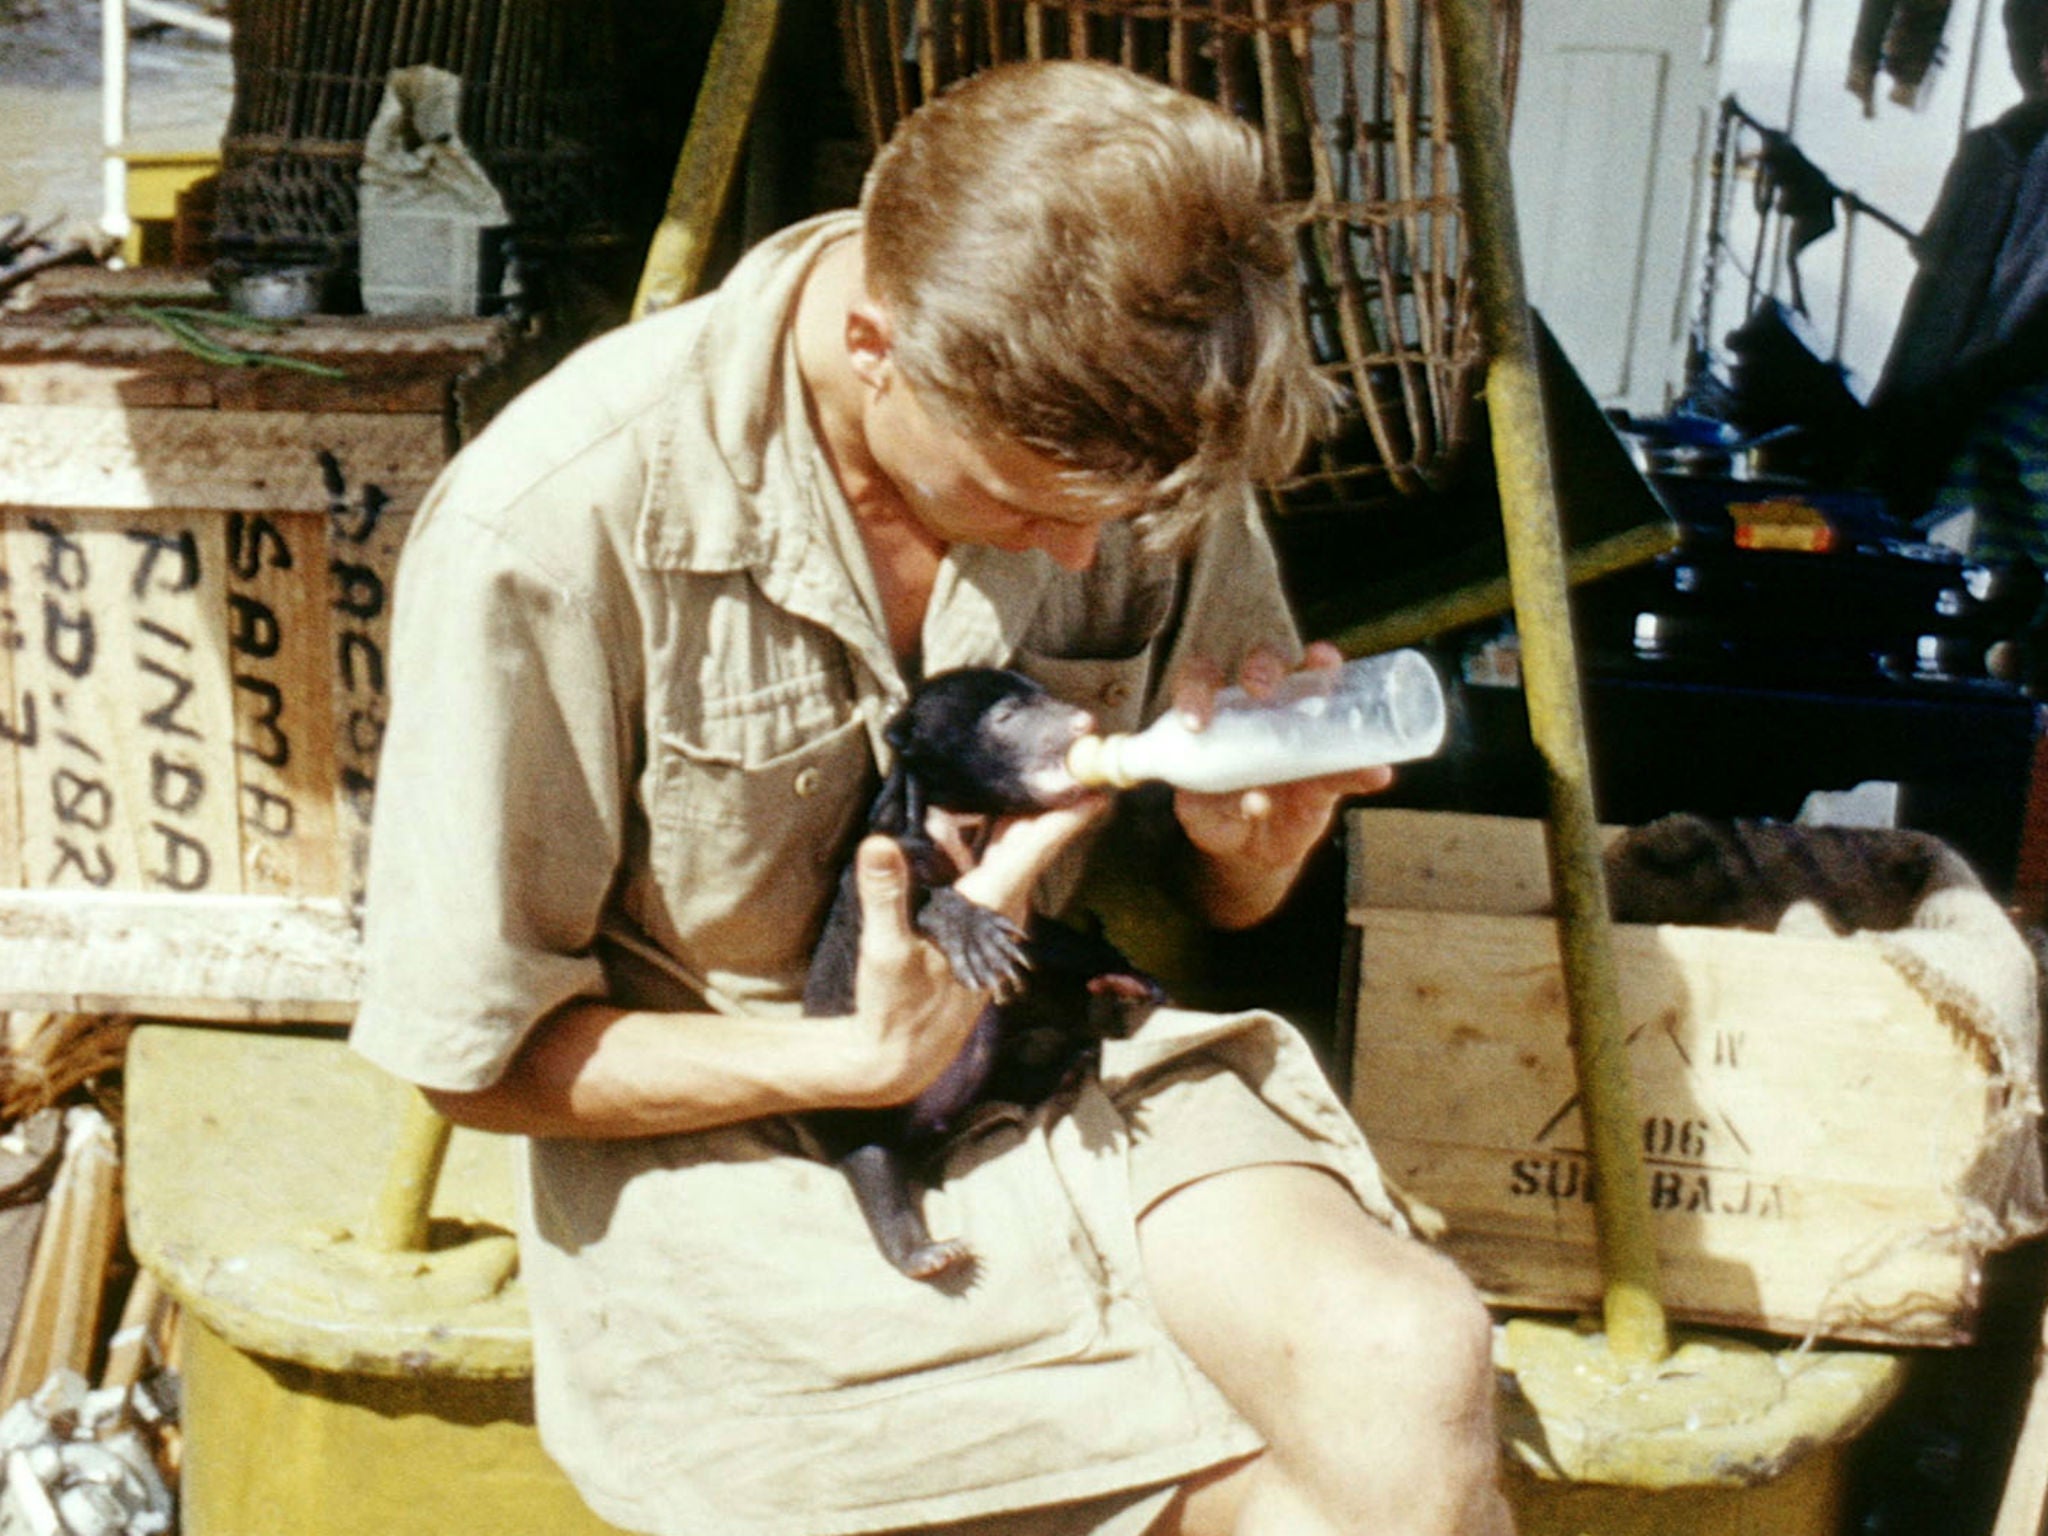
point(58, 1326)
point(365, 535)
point(1737, 1247)
point(170, 634)
point(65, 381)
point(13, 723)
point(1746, 1016)
point(131, 1348)
point(79, 817)
point(250, 959)
point(284, 714)
point(1436, 861)
point(122, 730)
point(68, 456)
point(1809, 1122)
point(154, 378)
point(1920, 1296)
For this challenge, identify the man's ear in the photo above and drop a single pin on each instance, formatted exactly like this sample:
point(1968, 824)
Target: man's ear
point(868, 344)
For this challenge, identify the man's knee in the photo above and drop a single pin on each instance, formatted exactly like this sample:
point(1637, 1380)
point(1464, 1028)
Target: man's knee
point(1419, 1326)
point(1314, 1301)
point(1402, 1435)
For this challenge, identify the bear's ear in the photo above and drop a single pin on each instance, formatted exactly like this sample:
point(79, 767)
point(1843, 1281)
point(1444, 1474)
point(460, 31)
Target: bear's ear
point(898, 731)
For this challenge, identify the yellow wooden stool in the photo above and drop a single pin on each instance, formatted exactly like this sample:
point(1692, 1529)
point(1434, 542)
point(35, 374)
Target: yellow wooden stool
point(1719, 1438)
point(331, 1387)
point(153, 180)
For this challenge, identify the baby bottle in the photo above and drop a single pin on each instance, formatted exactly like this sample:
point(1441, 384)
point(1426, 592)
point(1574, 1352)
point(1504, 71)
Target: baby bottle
point(1376, 709)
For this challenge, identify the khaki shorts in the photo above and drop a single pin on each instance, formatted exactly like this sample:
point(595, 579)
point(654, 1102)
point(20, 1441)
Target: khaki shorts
point(719, 1347)
point(1202, 1119)
point(1189, 1123)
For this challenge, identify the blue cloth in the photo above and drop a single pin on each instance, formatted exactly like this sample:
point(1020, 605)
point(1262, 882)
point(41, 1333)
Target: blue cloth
point(2001, 474)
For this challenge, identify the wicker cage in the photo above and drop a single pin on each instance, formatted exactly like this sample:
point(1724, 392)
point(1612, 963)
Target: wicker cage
point(1350, 96)
point(538, 111)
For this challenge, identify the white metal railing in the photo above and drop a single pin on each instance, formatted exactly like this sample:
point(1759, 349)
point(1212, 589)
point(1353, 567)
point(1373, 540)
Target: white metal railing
point(114, 15)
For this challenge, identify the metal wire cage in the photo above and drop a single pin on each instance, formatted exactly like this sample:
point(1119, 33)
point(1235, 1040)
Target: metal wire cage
point(1352, 100)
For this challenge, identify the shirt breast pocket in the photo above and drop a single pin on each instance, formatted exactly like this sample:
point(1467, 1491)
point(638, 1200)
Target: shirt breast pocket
point(745, 854)
point(1113, 689)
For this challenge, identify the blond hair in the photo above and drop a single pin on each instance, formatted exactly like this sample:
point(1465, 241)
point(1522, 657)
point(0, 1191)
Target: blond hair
point(1086, 263)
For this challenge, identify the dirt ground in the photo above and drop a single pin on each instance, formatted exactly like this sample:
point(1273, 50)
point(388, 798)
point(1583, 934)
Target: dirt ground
point(180, 87)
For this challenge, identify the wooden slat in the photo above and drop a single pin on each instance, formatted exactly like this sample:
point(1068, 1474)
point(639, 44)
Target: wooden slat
point(64, 381)
point(130, 1348)
point(1433, 861)
point(253, 959)
point(1737, 1248)
point(58, 1325)
point(74, 456)
point(364, 541)
point(171, 633)
point(73, 817)
point(120, 702)
point(1743, 1018)
point(13, 635)
point(141, 377)
point(79, 814)
point(280, 656)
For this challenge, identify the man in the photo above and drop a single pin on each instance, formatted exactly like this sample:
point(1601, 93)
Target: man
point(1959, 418)
point(651, 625)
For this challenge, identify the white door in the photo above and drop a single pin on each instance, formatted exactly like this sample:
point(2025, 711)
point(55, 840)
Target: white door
point(1614, 111)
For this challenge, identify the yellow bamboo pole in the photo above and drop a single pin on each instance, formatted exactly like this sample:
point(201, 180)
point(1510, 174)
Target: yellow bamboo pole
point(711, 151)
point(1634, 1312)
point(400, 1221)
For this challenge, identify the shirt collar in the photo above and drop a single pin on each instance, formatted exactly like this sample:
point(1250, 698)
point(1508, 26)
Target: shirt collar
point(726, 390)
point(754, 507)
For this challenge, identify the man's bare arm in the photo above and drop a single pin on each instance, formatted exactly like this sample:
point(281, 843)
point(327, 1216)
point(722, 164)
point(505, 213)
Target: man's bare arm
point(595, 1070)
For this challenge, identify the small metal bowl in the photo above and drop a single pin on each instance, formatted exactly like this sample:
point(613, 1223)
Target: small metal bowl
point(279, 293)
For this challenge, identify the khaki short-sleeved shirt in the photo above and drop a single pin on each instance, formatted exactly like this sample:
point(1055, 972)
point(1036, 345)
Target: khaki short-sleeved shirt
point(639, 683)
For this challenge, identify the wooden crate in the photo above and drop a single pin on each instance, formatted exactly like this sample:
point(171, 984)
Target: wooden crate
point(1809, 1120)
point(196, 570)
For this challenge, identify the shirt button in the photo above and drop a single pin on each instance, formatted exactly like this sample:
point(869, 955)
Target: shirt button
point(1114, 694)
point(807, 782)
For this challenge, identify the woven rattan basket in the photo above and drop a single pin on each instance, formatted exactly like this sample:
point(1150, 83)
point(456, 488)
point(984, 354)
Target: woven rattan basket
point(538, 110)
point(1351, 99)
